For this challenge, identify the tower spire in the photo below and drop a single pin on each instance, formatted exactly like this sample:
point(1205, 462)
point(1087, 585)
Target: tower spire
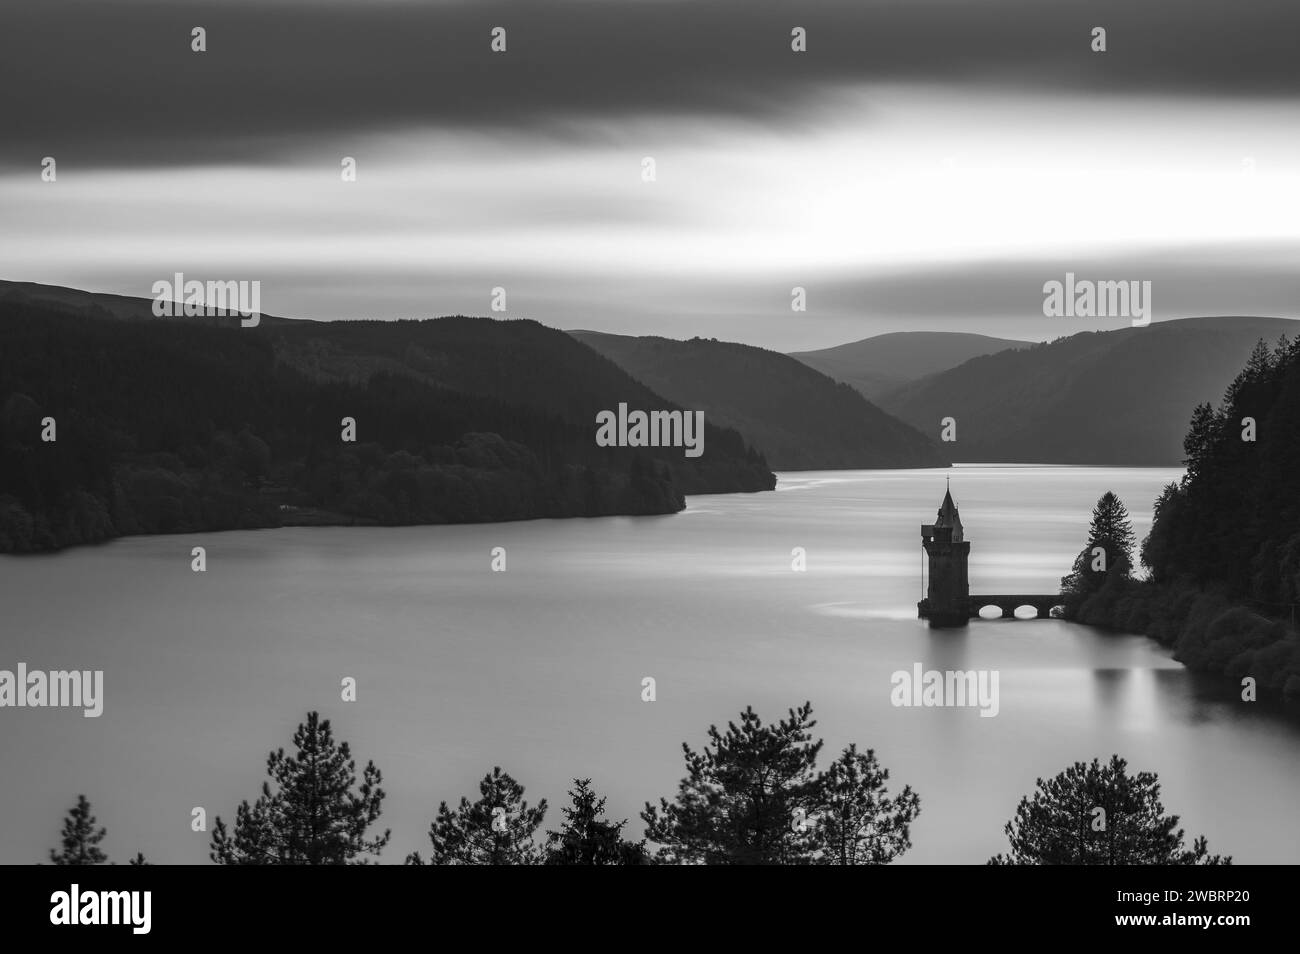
point(947, 598)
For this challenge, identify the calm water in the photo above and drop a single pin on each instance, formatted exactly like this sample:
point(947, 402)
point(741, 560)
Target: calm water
point(539, 669)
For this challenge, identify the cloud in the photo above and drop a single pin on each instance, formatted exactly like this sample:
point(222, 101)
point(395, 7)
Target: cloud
point(98, 84)
point(1214, 278)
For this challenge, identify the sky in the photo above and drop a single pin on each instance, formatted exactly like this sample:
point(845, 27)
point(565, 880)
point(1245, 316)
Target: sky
point(924, 165)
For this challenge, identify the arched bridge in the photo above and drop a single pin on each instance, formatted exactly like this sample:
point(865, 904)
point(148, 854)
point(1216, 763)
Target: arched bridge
point(1008, 604)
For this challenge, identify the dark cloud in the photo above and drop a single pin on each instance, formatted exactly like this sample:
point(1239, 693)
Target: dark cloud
point(96, 83)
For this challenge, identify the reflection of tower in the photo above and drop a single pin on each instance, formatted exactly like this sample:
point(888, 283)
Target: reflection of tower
point(947, 600)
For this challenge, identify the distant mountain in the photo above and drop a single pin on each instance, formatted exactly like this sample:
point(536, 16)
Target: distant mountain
point(800, 419)
point(168, 425)
point(1120, 397)
point(883, 363)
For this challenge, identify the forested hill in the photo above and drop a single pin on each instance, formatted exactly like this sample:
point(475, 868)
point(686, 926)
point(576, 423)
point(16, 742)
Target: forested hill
point(1234, 520)
point(798, 417)
point(1117, 397)
point(184, 424)
point(1223, 553)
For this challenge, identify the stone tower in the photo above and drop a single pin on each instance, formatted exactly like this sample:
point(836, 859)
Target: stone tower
point(947, 599)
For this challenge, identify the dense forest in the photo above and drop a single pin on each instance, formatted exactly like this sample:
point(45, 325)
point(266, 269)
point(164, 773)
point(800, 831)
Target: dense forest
point(1223, 555)
point(180, 425)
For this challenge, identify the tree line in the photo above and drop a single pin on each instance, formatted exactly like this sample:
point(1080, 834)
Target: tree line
point(1222, 560)
point(751, 796)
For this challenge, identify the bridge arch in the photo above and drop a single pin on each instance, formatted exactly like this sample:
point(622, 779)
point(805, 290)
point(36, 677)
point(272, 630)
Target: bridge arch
point(1013, 606)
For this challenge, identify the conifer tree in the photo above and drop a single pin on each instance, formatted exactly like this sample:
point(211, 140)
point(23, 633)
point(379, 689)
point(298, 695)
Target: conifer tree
point(1112, 531)
point(498, 829)
point(317, 813)
point(754, 796)
point(1259, 368)
point(859, 824)
point(1109, 552)
point(1092, 814)
point(748, 798)
point(1199, 440)
point(80, 839)
point(587, 838)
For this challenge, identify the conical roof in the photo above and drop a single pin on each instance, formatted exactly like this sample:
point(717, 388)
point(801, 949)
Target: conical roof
point(948, 517)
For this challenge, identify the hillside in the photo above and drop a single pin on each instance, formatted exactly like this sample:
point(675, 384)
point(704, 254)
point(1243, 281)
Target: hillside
point(1223, 554)
point(800, 419)
point(883, 363)
point(172, 425)
point(1120, 397)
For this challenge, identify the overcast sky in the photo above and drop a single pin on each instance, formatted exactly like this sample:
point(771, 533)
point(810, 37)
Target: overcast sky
point(926, 164)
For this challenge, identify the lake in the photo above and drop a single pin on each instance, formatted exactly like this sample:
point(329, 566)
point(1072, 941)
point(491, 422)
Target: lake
point(539, 668)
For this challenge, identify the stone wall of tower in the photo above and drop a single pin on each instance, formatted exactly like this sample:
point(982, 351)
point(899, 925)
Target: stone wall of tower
point(949, 587)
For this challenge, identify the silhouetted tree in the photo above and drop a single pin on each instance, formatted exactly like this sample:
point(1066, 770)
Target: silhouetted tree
point(1109, 552)
point(317, 814)
point(80, 839)
point(859, 823)
point(587, 838)
point(747, 798)
point(1159, 544)
point(1092, 814)
point(498, 829)
point(1199, 440)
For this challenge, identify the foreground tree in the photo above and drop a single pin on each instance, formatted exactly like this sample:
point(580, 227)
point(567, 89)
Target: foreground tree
point(587, 837)
point(1092, 814)
point(498, 829)
point(80, 839)
point(754, 796)
point(860, 824)
point(747, 797)
point(317, 813)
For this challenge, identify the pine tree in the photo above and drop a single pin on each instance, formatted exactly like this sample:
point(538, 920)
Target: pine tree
point(1109, 552)
point(313, 816)
point(80, 840)
point(498, 829)
point(1112, 531)
point(1159, 548)
point(859, 823)
point(1258, 369)
point(748, 797)
point(1199, 441)
point(1099, 815)
point(587, 838)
